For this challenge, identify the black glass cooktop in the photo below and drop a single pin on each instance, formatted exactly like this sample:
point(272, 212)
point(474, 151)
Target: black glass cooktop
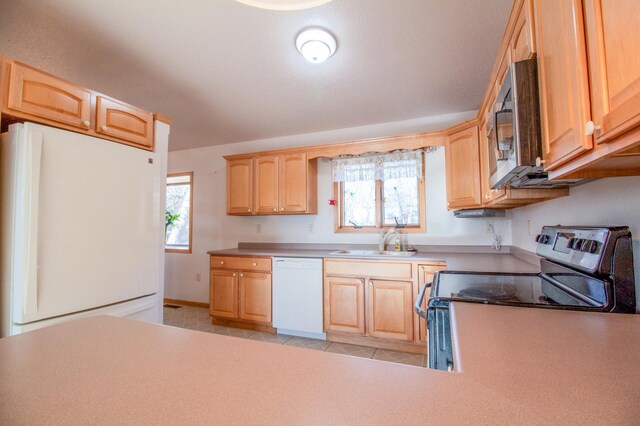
point(541, 290)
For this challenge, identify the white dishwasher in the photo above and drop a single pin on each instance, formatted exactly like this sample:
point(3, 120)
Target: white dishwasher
point(297, 297)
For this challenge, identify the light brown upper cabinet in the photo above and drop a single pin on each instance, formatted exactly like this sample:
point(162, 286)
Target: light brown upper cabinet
point(33, 95)
point(282, 184)
point(563, 80)
point(522, 45)
point(266, 184)
point(240, 187)
point(122, 121)
point(293, 183)
point(42, 95)
point(613, 48)
point(462, 153)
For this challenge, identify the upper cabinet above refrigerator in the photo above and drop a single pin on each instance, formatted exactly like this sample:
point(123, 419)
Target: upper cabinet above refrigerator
point(28, 94)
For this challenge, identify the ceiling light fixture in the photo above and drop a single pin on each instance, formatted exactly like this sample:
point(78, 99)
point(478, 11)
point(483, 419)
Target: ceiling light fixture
point(316, 44)
point(284, 4)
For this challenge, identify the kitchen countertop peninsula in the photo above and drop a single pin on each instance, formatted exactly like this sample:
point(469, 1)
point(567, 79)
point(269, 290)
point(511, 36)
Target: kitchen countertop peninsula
point(518, 366)
point(457, 258)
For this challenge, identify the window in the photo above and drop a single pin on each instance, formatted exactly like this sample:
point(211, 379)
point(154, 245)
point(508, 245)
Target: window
point(179, 213)
point(379, 191)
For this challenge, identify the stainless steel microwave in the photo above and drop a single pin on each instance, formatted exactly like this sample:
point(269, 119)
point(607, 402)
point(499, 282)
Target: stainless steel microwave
point(514, 132)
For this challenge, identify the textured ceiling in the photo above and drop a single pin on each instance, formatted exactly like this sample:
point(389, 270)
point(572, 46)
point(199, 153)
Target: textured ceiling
point(226, 72)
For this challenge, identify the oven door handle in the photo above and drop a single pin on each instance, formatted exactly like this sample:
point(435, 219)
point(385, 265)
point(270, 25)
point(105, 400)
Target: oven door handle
point(586, 299)
point(418, 307)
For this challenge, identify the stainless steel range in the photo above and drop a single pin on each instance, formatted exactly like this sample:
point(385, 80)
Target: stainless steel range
point(582, 268)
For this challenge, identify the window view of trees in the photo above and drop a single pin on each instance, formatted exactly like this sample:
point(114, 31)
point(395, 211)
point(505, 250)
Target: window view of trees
point(178, 212)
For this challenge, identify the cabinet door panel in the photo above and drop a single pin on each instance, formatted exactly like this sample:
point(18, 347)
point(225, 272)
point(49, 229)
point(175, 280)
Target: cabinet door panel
point(563, 80)
point(223, 294)
point(462, 154)
point(34, 92)
point(390, 310)
point(124, 122)
point(293, 183)
point(239, 187)
point(613, 45)
point(266, 188)
point(522, 41)
point(344, 305)
point(255, 296)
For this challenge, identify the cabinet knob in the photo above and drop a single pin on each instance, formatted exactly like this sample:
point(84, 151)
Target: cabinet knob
point(255, 263)
point(242, 275)
point(275, 209)
point(104, 128)
point(281, 209)
point(590, 128)
point(234, 274)
point(539, 162)
point(222, 262)
point(86, 123)
point(249, 210)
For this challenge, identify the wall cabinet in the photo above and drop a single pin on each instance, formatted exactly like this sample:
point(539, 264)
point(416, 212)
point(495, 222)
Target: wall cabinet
point(272, 184)
point(240, 292)
point(119, 120)
point(240, 187)
point(33, 95)
point(462, 153)
point(563, 80)
point(590, 87)
point(613, 46)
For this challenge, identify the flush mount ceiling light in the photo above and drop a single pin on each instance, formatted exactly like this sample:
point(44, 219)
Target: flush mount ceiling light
point(284, 4)
point(316, 44)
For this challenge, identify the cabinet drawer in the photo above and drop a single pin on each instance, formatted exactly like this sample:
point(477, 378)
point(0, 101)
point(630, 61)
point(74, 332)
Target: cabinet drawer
point(241, 263)
point(42, 95)
point(370, 269)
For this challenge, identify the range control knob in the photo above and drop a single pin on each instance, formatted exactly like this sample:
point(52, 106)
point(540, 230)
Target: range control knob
point(577, 244)
point(571, 242)
point(542, 239)
point(590, 246)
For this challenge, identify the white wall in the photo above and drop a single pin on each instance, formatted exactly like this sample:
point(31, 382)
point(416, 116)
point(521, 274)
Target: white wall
point(612, 201)
point(213, 229)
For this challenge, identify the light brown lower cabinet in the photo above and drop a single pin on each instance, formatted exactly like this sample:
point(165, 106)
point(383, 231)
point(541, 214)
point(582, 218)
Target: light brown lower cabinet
point(344, 305)
point(240, 292)
point(390, 309)
point(371, 302)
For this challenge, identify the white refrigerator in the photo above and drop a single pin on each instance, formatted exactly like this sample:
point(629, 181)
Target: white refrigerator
point(82, 228)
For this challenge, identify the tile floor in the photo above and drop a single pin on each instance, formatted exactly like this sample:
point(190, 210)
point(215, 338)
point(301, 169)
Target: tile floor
point(198, 319)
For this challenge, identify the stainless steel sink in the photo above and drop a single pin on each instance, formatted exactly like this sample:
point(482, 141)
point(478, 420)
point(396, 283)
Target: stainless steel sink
point(373, 253)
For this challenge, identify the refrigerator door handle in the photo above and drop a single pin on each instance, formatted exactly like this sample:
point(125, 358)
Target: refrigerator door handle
point(30, 188)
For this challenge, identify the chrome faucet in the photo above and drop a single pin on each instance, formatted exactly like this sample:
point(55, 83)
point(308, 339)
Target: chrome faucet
point(382, 240)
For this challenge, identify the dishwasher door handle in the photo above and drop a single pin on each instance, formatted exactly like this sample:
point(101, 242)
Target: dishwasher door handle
point(418, 307)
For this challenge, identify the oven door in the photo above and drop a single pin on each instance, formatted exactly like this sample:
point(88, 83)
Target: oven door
point(570, 289)
point(439, 342)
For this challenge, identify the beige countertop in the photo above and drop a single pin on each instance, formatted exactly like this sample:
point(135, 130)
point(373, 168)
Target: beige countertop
point(484, 260)
point(518, 365)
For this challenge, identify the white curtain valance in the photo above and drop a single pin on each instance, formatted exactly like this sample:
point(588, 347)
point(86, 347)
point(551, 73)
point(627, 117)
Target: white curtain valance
point(401, 164)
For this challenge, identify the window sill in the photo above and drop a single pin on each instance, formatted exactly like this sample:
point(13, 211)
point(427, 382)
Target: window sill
point(174, 249)
point(375, 230)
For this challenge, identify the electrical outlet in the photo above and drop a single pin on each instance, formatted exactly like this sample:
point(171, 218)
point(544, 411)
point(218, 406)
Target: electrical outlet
point(488, 227)
point(259, 228)
point(311, 228)
point(198, 277)
point(529, 227)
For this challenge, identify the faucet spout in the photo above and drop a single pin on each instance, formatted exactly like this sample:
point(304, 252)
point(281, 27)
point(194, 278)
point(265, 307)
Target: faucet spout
point(382, 240)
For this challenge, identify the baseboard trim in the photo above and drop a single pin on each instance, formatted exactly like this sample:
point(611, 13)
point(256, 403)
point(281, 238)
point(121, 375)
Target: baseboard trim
point(186, 303)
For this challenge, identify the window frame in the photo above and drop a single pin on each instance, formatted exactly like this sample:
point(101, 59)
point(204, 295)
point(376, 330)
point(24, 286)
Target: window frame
point(341, 228)
point(189, 249)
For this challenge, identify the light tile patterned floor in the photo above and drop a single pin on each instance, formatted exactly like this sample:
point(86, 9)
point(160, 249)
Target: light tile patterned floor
point(198, 319)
